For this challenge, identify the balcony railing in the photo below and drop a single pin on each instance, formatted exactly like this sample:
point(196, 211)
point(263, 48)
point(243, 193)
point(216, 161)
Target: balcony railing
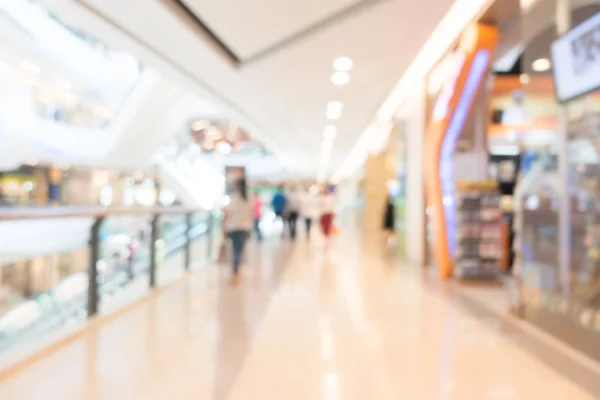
point(168, 242)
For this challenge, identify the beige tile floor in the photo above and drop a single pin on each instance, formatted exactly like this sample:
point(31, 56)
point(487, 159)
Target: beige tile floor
point(306, 324)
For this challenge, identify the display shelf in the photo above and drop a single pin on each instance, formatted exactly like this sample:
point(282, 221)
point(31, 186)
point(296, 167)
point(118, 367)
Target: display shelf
point(479, 245)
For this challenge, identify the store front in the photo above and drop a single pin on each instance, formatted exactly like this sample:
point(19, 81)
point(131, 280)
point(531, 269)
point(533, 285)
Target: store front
point(410, 212)
point(540, 158)
point(557, 239)
point(463, 226)
point(18, 187)
point(380, 177)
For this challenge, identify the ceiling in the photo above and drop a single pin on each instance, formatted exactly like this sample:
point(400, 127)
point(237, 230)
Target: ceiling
point(268, 64)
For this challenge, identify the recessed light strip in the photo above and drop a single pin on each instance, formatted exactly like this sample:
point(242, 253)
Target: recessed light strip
point(334, 110)
point(340, 77)
point(460, 15)
point(343, 64)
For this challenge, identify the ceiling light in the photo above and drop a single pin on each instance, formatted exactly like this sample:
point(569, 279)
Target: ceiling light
point(209, 145)
point(330, 132)
point(334, 110)
point(340, 78)
point(460, 14)
point(343, 64)
point(223, 147)
point(30, 67)
point(527, 4)
point(524, 78)
point(199, 125)
point(64, 84)
point(541, 65)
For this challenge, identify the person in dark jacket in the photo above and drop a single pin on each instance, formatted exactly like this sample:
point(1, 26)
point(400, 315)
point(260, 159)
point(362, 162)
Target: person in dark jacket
point(279, 204)
point(389, 219)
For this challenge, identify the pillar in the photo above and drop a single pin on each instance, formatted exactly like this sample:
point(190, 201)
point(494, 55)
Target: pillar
point(380, 168)
point(414, 116)
point(563, 24)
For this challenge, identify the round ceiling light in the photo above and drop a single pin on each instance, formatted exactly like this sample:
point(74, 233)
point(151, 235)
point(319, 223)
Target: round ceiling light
point(334, 110)
point(343, 64)
point(330, 132)
point(340, 78)
point(223, 147)
point(541, 65)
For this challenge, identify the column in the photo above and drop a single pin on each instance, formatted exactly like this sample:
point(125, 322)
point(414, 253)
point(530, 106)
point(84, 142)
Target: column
point(414, 115)
point(379, 170)
point(563, 24)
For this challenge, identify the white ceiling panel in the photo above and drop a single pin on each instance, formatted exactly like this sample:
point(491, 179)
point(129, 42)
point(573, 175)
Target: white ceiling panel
point(250, 27)
point(283, 96)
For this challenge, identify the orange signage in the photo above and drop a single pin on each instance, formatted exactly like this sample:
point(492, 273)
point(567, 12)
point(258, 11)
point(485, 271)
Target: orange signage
point(476, 48)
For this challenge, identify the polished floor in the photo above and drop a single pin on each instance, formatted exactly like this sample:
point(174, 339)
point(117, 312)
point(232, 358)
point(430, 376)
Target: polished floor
point(307, 323)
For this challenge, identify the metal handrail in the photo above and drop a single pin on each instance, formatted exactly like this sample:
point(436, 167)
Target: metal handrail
point(28, 213)
point(99, 214)
point(115, 279)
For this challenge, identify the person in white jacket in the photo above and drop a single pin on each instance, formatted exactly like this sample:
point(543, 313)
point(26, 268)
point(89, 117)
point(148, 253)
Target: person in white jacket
point(311, 210)
point(238, 223)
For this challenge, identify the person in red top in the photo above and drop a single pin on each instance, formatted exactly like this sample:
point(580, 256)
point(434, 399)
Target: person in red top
point(258, 207)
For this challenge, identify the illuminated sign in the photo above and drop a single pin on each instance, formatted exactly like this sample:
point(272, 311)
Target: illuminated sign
point(457, 123)
point(576, 60)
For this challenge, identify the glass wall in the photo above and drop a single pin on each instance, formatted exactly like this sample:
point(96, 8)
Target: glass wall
point(537, 226)
point(562, 298)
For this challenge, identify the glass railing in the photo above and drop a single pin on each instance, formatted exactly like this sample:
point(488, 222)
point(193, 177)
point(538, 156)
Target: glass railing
point(43, 298)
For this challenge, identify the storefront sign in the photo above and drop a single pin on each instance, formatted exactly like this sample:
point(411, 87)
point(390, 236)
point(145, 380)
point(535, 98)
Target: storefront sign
point(576, 60)
point(451, 110)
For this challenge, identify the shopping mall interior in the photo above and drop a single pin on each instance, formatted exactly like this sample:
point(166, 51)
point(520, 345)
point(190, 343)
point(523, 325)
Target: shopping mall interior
point(338, 200)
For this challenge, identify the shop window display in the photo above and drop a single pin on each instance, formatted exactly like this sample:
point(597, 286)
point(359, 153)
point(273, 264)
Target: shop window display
point(563, 297)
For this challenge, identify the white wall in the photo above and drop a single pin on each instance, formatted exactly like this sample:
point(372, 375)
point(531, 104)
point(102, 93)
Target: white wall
point(412, 113)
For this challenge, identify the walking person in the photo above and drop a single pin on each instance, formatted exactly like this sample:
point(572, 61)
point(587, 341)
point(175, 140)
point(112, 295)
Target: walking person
point(279, 204)
point(258, 210)
point(389, 219)
point(310, 208)
point(328, 203)
point(238, 224)
point(293, 211)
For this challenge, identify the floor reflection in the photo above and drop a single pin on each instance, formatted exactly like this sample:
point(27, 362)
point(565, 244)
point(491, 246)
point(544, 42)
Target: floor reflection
point(306, 323)
point(240, 309)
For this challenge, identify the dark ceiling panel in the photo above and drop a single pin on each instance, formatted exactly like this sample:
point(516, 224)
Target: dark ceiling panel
point(196, 23)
